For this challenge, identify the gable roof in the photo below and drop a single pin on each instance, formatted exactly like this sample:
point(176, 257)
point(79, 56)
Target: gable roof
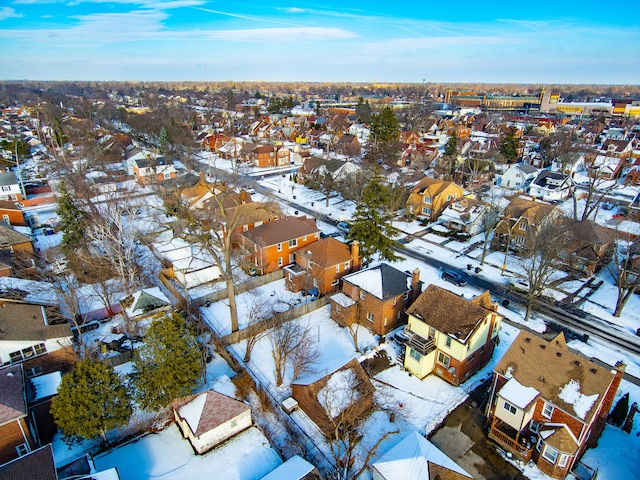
point(326, 252)
point(296, 468)
point(253, 212)
point(382, 281)
point(533, 211)
point(416, 458)
point(12, 394)
point(449, 313)
point(144, 300)
point(281, 230)
point(563, 378)
point(26, 322)
point(10, 237)
point(37, 464)
point(208, 410)
point(433, 185)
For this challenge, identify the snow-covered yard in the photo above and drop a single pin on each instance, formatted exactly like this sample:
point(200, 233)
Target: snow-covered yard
point(168, 456)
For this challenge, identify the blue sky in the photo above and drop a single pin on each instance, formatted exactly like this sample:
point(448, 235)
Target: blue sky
point(358, 41)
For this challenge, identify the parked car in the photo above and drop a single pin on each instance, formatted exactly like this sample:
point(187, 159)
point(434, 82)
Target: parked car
point(454, 277)
point(343, 227)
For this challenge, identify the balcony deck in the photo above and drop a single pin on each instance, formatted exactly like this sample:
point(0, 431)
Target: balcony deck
point(420, 344)
point(506, 441)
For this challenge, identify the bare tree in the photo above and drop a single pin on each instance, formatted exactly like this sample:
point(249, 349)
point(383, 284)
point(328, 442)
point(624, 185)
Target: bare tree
point(114, 238)
point(490, 220)
point(259, 316)
point(343, 404)
point(285, 338)
point(625, 270)
point(597, 188)
point(539, 261)
point(304, 357)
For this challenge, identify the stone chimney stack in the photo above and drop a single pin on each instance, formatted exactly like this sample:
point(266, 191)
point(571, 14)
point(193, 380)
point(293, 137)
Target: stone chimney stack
point(355, 256)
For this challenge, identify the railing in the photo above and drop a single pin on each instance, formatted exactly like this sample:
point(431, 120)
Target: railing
point(419, 344)
point(506, 441)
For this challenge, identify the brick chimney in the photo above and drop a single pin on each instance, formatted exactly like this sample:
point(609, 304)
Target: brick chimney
point(415, 285)
point(355, 256)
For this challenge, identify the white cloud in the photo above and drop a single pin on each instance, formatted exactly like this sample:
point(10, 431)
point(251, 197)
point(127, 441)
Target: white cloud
point(294, 10)
point(8, 12)
point(279, 35)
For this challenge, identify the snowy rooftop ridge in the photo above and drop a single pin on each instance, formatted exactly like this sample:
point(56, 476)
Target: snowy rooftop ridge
point(517, 394)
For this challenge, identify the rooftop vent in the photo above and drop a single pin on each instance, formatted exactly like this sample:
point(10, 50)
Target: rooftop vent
point(558, 354)
point(543, 346)
point(593, 370)
point(527, 339)
point(577, 363)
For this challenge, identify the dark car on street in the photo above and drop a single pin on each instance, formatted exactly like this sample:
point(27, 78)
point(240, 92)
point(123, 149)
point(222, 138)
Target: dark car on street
point(454, 277)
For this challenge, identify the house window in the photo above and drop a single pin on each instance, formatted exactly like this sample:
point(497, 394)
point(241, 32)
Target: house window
point(547, 411)
point(510, 408)
point(564, 459)
point(415, 355)
point(291, 277)
point(40, 348)
point(5, 217)
point(292, 257)
point(338, 309)
point(427, 200)
point(448, 342)
point(370, 316)
point(347, 265)
point(293, 243)
point(27, 352)
point(279, 261)
point(6, 188)
point(279, 247)
point(524, 226)
point(426, 211)
point(15, 356)
point(335, 283)
point(338, 268)
point(444, 359)
point(362, 295)
point(245, 228)
point(33, 372)
point(22, 449)
point(385, 322)
point(550, 454)
point(398, 317)
point(167, 176)
point(450, 197)
point(304, 239)
point(234, 423)
point(395, 301)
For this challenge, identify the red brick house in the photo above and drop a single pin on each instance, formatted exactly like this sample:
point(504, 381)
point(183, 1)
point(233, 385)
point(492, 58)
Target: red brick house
point(321, 265)
point(548, 404)
point(11, 213)
point(376, 298)
point(272, 245)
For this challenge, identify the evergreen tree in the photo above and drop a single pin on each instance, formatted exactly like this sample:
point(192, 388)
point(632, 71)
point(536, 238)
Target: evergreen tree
point(168, 365)
point(162, 141)
point(509, 145)
point(619, 413)
point(72, 220)
point(371, 225)
point(385, 126)
point(91, 401)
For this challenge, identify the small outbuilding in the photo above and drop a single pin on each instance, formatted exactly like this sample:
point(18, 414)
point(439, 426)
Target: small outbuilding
point(209, 418)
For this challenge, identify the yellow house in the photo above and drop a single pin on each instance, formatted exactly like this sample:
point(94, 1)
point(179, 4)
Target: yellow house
point(450, 336)
point(431, 196)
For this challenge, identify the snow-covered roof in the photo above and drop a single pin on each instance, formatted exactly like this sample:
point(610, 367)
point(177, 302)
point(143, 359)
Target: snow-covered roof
point(517, 394)
point(339, 393)
point(46, 385)
point(293, 469)
point(342, 300)
point(143, 299)
point(410, 459)
point(382, 281)
point(581, 403)
point(209, 410)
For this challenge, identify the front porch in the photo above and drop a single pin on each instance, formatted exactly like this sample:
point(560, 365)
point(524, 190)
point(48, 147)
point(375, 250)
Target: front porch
point(518, 443)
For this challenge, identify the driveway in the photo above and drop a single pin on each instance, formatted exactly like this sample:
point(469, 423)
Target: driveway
point(462, 437)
